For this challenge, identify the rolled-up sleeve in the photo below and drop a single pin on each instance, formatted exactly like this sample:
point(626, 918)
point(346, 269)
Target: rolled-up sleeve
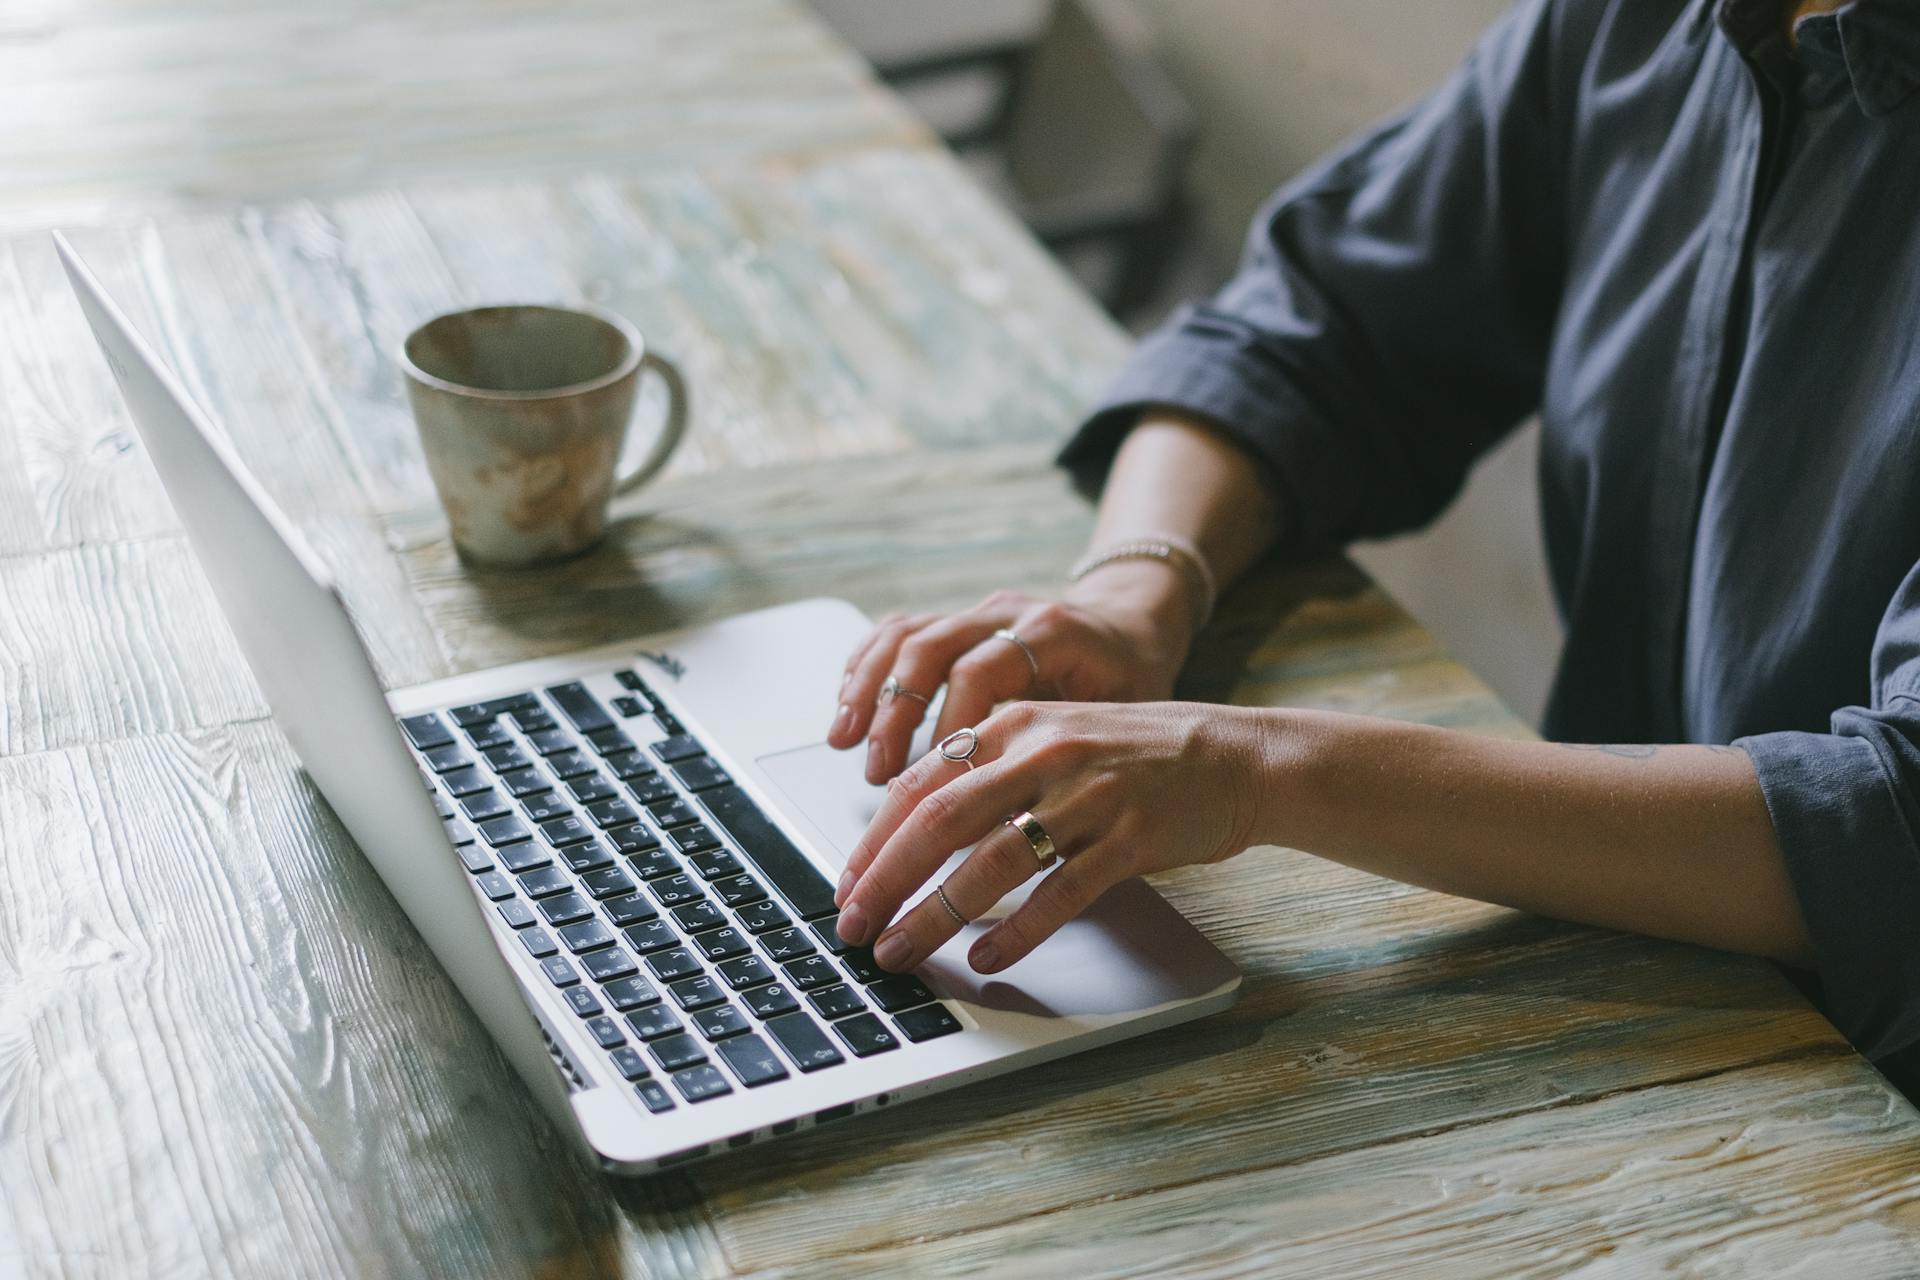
point(1390, 320)
point(1846, 810)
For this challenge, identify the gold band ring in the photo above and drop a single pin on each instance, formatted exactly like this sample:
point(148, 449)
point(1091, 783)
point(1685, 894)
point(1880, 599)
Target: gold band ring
point(1029, 826)
point(1013, 638)
point(892, 688)
point(940, 892)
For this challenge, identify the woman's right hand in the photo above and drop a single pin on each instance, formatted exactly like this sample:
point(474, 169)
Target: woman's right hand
point(1121, 635)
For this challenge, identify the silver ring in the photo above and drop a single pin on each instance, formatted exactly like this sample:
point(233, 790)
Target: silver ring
point(892, 688)
point(1011, 637)
point(940, 892)
point(950, 745)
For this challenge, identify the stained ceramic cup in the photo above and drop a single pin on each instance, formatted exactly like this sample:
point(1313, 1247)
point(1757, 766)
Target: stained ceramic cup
point(523, 412)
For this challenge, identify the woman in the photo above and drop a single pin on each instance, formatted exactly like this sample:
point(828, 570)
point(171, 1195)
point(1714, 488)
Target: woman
point(1672, 229)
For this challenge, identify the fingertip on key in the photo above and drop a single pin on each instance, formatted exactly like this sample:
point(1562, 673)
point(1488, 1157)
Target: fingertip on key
point(853, 924)
point(840, 891)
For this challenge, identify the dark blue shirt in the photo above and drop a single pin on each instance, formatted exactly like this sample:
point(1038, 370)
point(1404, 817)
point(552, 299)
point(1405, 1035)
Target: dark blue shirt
point(1697, 257)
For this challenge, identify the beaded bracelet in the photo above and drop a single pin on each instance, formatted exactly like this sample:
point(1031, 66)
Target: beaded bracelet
point(1177, 552)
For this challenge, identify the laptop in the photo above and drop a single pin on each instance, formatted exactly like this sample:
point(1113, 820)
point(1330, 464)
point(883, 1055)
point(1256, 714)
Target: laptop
point(624, 858)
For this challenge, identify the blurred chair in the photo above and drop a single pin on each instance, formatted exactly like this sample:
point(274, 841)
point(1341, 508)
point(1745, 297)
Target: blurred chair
point(1085, 139)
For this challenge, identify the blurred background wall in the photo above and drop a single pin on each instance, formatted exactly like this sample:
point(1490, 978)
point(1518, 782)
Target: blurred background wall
point(1263, 87)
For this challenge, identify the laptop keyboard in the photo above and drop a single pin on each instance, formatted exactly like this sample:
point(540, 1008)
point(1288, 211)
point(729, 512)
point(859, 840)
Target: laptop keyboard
point(688, 934)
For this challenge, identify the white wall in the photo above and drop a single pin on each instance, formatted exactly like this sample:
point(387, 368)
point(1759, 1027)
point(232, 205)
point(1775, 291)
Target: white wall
point(1275, 83)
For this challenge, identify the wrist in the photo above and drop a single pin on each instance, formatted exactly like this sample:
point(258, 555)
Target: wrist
point(1152, 591)
point(1299, 759)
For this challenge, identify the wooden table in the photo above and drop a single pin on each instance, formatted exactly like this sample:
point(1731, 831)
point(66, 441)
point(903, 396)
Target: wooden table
point(223, 1050)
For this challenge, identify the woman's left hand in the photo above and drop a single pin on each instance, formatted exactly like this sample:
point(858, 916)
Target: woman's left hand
point(1122, 789)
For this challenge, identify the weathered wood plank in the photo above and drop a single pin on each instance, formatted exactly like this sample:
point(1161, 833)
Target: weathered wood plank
point(224, 1051)
point(1806, 1168)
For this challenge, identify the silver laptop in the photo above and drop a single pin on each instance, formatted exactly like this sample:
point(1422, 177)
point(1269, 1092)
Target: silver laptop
point(624, 858)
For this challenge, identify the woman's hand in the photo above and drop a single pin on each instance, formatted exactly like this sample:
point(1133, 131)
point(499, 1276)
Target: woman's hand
point(1122, 790)
point(1121, 635)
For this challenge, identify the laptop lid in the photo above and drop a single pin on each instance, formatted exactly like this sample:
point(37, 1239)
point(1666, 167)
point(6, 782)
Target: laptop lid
point(300, 643)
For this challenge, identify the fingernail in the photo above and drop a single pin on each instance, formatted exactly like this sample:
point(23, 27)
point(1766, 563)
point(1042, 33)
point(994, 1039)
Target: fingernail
point(877, 760)
point(853, 925)
point(840, 891)
point(846, 679)
point(841, 720)
point(986, 956)
point(893, 951)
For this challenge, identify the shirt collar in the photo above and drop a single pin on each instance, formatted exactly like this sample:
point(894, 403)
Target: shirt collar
point(1869, 46)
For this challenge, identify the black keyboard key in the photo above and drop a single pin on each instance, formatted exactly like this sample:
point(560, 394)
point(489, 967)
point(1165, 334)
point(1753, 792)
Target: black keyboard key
point(812, 972)
point(568, 830)
point(545, 882)
point(588, 857)
point(697, 1084)
point(569, 764)
point(580, 706)
point(629, 993)
point(655, 863)
point(630, 681)
point(827, 931)
point(551, 742)
point(539, 943)
point(565, 908)
point(694, 838)
point(485, 806)
point(629, 765)
point(426, 731)
point(533, 720)
point(559, 972)
point(451, 756)
point(804, 1042)
point(516, 913)
point(546, 806)
point(606, 882)
point(521, 783)
point(495, 885)
point(753, 1060)
point(861, 964)
point(587, 935)
point(676, 1051)
point(720, 1021)
point(474, 858)
point(592, 789)
point(675, 962)
point(524, 856)
point(629, 706)
point(680, 746)
point(668, 722)
point(473, 713)
point(673, 891)
point(612, 813)
point(610, 742)
point(655, 935)
point(713, 864)
point(637, 838)
point(783, 945)
point(673, 812)
point(901, 991)
point(508, 758)
point(608, 965)
point(699, 775)
point(745, 971)
point(769, 1001)
point(650, 790)
point(720, 944)
point(928, 1022)
point(737, 891)
point(697, 916)
point(797, 879)
point(630, 1063)
point(762, 917)
point(837, 1001)
point(654, 1095)
point(865, 1034)
point(629, 909)
point(466, 781)
point(583, 1002)
point(505, 831)
point(488, 736)
point(650, 1022)
point(696, 993)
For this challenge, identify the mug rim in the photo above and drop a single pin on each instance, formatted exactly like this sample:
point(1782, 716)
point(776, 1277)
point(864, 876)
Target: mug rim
point(636, 351)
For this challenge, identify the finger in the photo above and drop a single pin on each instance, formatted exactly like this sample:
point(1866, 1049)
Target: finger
point(980, 679)
point(952, 817)
point(999, 864)
point(905, 791)
point(920, 666)
point(862, 684)
point(1065, 892)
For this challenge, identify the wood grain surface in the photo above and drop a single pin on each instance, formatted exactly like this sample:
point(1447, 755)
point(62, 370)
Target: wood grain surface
point(223, 1049)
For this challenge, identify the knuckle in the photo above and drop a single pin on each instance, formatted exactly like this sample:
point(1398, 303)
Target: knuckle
point(939, 809)
point(1047, 617)
point(1003, 598)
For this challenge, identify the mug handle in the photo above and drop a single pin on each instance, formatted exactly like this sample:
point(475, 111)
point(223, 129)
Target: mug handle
point(672, 431)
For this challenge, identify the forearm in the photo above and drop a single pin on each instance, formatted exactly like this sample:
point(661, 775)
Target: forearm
point(1673, 841)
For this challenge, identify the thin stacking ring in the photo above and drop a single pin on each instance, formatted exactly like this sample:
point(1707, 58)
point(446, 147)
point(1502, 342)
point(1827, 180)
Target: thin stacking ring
point(960, 745)
point(892, 688)
point(940, 892)
point(1012, 637)
point(1043, 848)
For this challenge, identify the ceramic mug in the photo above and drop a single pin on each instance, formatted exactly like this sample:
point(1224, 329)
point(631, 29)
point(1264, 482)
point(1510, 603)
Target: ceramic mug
point(523, 412)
